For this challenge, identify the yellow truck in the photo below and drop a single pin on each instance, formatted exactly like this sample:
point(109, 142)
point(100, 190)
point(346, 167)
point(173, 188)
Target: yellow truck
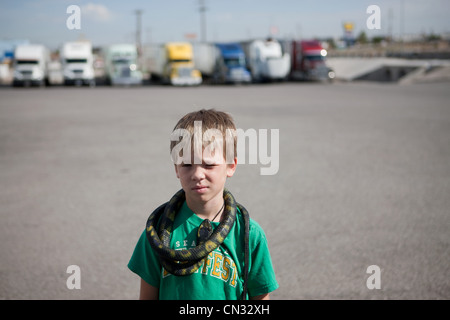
point(172, 63)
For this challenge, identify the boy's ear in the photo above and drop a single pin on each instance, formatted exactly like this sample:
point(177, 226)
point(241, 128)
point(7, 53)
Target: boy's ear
point(231, 168)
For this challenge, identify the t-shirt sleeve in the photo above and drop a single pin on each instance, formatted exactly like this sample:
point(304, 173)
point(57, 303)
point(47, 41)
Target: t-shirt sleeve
point(261, 276)
point(144, 262)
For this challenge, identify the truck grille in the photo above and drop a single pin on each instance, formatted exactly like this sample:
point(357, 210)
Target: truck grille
point(184, 72)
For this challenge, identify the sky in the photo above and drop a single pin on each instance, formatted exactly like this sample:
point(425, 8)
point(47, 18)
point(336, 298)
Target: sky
point(108, 22)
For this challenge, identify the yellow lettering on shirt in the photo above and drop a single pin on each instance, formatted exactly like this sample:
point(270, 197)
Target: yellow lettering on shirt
point(226, 269)
point(233, 279)
point(207, 265)
point(216, 269)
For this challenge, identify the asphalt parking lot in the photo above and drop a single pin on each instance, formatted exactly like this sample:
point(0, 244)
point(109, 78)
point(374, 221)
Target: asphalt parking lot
point(363, 179)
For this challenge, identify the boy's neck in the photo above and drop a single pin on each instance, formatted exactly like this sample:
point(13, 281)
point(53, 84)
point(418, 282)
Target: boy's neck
point(207, 210)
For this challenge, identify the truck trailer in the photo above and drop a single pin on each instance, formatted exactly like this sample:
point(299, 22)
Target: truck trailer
point(121, 65)
point(266, 60)
point(172, 63)
point(221, 62)
point(77, 63)
point(309, 61)
point(31, 65)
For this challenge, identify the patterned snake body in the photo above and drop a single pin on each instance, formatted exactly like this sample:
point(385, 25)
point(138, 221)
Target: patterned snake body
point(187, 261)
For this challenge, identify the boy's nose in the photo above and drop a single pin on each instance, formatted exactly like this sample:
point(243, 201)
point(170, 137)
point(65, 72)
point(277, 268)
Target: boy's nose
point(198, 172)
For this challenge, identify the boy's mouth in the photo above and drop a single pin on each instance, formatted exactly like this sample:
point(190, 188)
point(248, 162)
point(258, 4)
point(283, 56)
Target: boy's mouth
point(199, 189)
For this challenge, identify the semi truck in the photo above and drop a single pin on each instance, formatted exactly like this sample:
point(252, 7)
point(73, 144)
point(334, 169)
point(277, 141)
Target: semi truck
point(172, 63)
point(77, 62)
point(31, 65)
point(309, 61)
point(266, 60)
point(121, 65)
point(221, 62)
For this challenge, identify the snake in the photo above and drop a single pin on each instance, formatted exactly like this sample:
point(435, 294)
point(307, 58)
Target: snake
point(187, 261)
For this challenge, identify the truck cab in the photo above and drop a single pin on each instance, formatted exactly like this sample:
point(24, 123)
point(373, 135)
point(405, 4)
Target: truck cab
point(31, 65)
point(179, 67)
point(77, 63)
point(121, 65)
point(231, 65)
point(266, 60)
point(309, 61)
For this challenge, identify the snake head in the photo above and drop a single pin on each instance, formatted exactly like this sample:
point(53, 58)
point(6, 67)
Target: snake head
point(204, 231)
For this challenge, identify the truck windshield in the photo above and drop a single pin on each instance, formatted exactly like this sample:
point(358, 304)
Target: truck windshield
point(122, 61)
point(180, 60)
point(27, 62)
point(234, 62)
point(76, 60)
point(314, 58)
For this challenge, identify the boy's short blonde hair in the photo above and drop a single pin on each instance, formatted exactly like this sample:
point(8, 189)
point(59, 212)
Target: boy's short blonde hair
point(215, 125)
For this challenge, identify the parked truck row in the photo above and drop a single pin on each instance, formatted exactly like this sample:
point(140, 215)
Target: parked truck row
point(177, 63)
point(262, 60)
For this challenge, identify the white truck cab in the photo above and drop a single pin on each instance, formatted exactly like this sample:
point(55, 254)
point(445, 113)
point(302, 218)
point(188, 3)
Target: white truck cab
point(31, 65)
point(77, 63)
point(121, 65)
point(266, 60)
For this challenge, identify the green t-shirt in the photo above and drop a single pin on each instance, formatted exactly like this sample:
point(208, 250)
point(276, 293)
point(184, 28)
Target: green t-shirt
point(222, 276)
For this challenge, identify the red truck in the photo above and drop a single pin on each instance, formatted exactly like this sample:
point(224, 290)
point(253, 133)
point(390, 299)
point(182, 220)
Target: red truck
point(308, 61)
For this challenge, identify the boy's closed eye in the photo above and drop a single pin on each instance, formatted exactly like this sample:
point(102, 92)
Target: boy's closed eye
point(211, 165)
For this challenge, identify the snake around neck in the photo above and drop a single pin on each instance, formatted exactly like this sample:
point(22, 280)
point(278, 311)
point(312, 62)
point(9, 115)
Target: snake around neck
point(187, 261)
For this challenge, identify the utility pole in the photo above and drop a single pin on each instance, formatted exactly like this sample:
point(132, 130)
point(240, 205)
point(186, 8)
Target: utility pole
point(402, 25)
point(202, 10)
point(402, 19)
point(138, 32)
point(390, 20)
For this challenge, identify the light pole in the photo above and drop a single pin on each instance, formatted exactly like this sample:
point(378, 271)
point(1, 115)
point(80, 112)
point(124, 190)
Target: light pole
point(202, 10)
point(138, 32)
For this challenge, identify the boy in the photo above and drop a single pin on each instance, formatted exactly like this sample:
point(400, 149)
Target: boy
point(202, 244)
